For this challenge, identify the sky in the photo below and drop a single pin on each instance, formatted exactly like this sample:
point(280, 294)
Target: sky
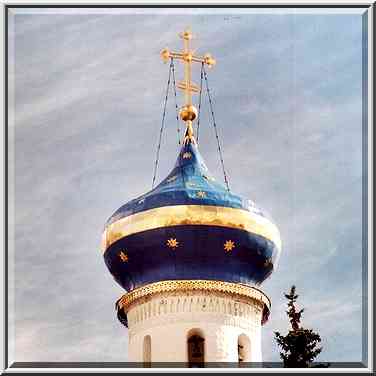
point(86, 90)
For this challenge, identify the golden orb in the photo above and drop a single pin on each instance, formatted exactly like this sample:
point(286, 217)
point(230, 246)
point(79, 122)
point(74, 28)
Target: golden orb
point(187, 35)
point(188, 112)
point(165, 54)
point(209, 60)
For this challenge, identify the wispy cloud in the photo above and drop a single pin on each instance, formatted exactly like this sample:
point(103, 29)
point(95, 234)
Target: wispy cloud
point(88, 92)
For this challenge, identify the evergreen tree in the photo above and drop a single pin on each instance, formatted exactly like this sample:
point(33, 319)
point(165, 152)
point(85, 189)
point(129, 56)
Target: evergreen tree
point(299, 346)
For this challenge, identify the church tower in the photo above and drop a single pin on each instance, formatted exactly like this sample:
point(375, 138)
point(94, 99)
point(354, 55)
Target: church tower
point(191, 256)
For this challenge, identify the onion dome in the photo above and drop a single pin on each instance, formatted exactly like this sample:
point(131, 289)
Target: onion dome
point(190, 227)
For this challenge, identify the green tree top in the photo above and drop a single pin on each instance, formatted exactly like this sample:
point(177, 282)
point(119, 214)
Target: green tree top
point(300, 346)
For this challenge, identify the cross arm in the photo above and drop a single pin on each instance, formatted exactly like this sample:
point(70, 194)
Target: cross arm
point(187, 57)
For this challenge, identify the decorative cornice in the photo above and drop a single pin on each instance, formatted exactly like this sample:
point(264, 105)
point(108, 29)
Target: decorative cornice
point(234, 290)
point(200, 307)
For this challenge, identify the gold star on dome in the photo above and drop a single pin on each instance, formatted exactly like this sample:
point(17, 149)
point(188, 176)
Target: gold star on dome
point(187, 155)
point(229, 245)
point(123, 256)
point(201, 194)
point(172, 243)
point(267, 262)
point(172, 178)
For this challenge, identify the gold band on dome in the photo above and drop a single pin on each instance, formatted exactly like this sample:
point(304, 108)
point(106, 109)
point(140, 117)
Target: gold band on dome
point(227, 288)
point(190, 215)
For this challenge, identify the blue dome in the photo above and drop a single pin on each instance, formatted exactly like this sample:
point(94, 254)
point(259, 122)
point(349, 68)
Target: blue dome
point(190, 227)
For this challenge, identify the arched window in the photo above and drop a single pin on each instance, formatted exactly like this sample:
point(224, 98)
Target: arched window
point(244, 348)
point(147, 350)
point(196, 348)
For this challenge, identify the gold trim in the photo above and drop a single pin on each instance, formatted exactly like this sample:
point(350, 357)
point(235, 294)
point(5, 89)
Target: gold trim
point(228, 288)
point(190, 215)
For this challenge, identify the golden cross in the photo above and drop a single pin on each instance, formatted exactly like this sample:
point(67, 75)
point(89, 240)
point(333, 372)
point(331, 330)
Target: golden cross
point(188, 112)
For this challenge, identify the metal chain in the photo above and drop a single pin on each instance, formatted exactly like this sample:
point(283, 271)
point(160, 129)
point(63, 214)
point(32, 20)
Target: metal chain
point(199, 104)
point(216, 130)
point(162, 125)
point(176, 102)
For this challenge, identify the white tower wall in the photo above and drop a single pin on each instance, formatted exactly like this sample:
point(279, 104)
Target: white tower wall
point(170, 317)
